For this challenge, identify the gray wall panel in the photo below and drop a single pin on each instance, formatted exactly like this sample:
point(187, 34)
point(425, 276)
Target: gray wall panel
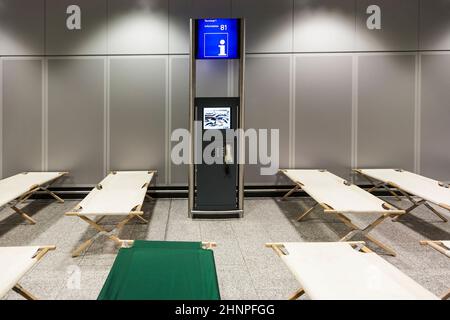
point(22, 116)
point(91, 39)
point(399, 27)
point(262, 36)
point(434, 25)
point(324, 25)
point(22, 27)
point(323, 108)
point(137, 114)
point(180, 11)
point(267, 105)
point(212, 78)
point(179, 81)
point(435, 129)
point(138, 27)
point(386, 111)
point(75, 118)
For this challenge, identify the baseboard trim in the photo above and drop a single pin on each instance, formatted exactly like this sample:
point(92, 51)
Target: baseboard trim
point(78, 193)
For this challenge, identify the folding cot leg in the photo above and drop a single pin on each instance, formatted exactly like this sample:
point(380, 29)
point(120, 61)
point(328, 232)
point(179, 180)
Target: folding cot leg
point(301, 216)
point(446, 296)
point(390, 251)
point(24, 293)
point(142, 219)
point(365, 232)
point(380, 184)
point(23, 215)
point(53, 195)
point(100, 229)
point(82, 247)
point(411, 208)
point(290, 192)
point(435, 212)
point(297, 294)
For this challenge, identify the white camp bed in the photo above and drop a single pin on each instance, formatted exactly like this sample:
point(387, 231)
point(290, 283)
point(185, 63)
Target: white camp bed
point(442, 247)
point(15, 262)
point(337, 196)
point(346, 271)
point(121, 193)
point(18, 188)
point(410, 185)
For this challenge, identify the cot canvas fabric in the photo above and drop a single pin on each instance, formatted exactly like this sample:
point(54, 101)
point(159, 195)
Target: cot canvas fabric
point(162, 270)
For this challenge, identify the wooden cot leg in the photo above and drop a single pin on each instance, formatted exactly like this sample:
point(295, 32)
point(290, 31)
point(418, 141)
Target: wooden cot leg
point(290, 192)
point(436, 213)
point(142, 219)
point(53, 195)
point(297, 294)
point(390, 251)
point(349, 235)
point(149, 197)
point(446, 296)
point(24, 293)
point(23, 215)
point(82, 247)
point(100, 219)
point(301, 216)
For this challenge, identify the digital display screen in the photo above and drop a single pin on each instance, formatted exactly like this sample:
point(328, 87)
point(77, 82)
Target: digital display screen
point(217, 39)
point(216, 118)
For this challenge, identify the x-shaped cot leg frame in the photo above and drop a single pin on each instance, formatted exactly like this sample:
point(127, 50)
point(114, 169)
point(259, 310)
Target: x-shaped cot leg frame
point(102, 231)
point(302, 214)
point(415, 203)
point(365, 232)
point(26, 196)
point(355, 230)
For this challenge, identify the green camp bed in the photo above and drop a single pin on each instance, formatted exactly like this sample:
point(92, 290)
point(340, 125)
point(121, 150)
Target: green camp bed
point(163, 270)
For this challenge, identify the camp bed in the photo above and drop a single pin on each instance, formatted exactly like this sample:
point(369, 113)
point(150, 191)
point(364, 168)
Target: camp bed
point(442, 247)
point(18, 188)
point(120, 193)
point(411, 186)
point(15, 262)
point(162, 270)
point(343, 199)
point(346, 271)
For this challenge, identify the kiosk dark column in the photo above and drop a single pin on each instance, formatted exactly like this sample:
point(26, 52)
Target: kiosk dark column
point(216, 189)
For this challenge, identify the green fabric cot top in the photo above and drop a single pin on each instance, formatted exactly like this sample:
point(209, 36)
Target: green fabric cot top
point(162, 270)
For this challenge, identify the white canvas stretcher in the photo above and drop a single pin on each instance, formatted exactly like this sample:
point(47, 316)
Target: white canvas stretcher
point(121, 193)
point(15, 262)
point(346, 271)
point(337, 196)
point(411, 185)
point(20, 187)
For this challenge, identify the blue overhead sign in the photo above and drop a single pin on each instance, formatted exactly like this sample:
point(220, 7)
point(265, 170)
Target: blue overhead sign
point(217, 39)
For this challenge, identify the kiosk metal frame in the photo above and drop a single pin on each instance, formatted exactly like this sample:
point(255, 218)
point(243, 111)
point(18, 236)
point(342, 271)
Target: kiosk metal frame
point(241, 145)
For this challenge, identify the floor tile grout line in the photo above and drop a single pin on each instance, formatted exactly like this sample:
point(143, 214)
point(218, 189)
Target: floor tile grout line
point(245, 261)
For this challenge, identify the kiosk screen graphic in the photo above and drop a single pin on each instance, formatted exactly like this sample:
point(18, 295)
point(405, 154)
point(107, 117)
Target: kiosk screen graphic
point(217, 39)
point(216, 118)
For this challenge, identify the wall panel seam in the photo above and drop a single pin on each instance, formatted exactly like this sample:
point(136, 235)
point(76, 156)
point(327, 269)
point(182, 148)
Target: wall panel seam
point(418, 114)
point(354, 131)
point(45, 122)
point(292, 102)
point(106, 127)
point(167, 174)
point(168, 162)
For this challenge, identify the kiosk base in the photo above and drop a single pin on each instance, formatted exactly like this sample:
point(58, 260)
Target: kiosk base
point(197, 214)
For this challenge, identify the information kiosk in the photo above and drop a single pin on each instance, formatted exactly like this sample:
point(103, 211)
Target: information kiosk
point(216, 176)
